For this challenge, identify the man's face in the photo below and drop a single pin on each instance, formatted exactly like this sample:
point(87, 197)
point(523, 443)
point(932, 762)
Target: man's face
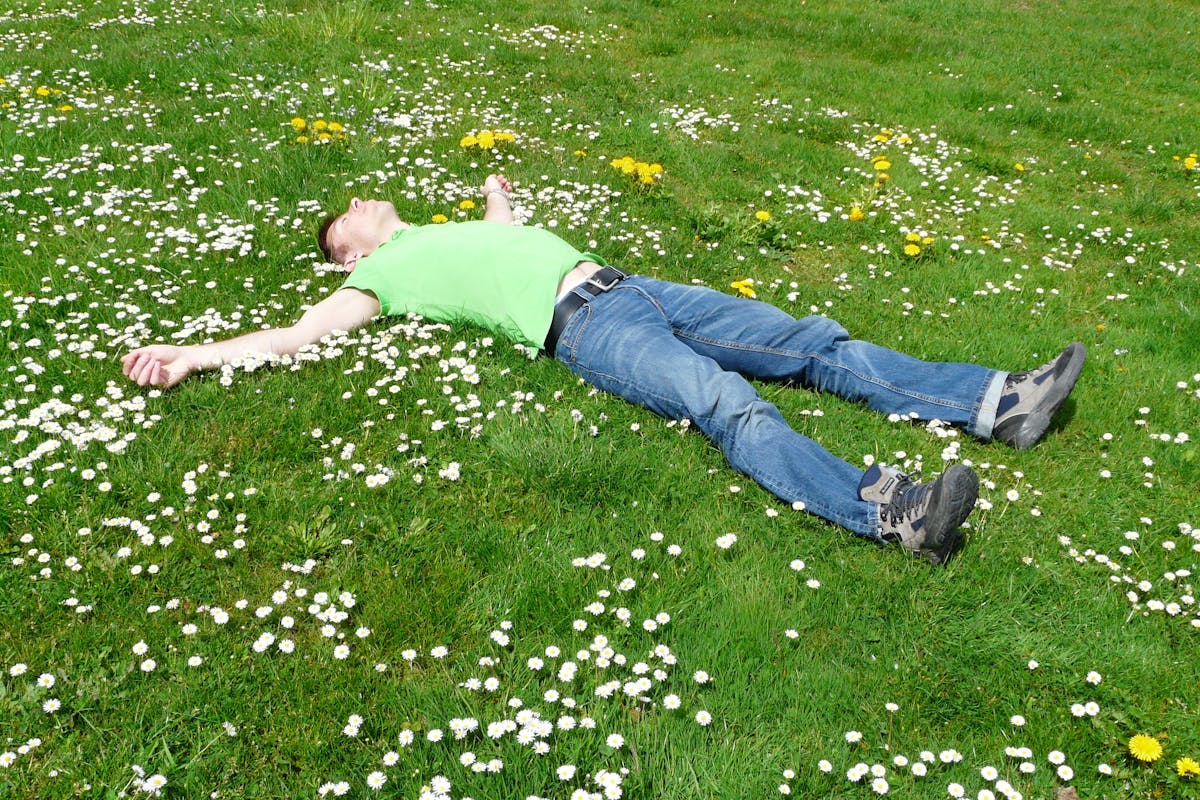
point(356, 232)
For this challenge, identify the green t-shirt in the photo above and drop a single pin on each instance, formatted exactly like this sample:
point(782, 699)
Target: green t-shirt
point(502, 277)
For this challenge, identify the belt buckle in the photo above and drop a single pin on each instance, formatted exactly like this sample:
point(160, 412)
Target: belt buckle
point(604, 287)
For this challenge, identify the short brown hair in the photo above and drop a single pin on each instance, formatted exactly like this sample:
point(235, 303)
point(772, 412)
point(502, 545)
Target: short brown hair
point(323, 238)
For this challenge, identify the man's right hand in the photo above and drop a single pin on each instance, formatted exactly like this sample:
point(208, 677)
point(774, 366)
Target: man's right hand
point(162, 365)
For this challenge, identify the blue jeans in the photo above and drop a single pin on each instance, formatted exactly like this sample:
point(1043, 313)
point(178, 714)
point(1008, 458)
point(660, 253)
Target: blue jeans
point(682, 352)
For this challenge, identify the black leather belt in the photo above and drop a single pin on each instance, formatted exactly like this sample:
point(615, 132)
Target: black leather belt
point(597, 283)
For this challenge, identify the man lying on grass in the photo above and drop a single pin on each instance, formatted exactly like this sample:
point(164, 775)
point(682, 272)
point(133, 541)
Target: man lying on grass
point(681, 351)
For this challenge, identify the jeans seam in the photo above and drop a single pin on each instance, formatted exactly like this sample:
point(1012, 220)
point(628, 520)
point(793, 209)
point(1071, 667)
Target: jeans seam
point(724, 343)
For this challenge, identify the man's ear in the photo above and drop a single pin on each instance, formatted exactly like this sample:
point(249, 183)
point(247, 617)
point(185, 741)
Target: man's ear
point(350, 263)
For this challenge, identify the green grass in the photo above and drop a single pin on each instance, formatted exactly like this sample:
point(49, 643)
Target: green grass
point(173, 195)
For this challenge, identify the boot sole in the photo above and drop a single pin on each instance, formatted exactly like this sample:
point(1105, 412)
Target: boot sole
point(954, 503)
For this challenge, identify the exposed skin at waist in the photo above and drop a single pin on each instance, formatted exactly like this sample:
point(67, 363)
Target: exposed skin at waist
point(578, 274)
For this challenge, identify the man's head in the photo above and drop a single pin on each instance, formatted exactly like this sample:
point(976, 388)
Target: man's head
point(357, 231)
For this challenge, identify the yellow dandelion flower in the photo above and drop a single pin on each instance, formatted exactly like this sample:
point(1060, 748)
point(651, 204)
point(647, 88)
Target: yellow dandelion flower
point(299, 123)
point(486, 140)
point(903, 139)
point(467, 141)
point(762, 216)
point(913, 237)
point(1144, 748)
point(467, 205)
point(1190, 162)
point(335, 127)
point(438, 219)
point(505, 137)
point(646, 180)
point(882, 178)
point(881, 164)
point(42, 91)
point(302, 139)
point(320, 125)
point(581, 153)
point(656, 169)
point(324, 137)
point(65, 107)
point(856, 214)
point(1187, 767)
point(744, 288)
point(1100, 327)
point(912, 250)
point(883, 135)
point(1019, 167)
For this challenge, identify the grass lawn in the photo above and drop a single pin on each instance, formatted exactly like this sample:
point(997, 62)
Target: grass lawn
point(417, 562)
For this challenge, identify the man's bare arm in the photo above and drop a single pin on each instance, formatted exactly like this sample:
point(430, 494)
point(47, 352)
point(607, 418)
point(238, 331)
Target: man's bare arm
point(166, 365)
point(496, 199)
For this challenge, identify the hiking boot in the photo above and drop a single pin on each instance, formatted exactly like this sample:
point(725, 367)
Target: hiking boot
point(1031, 398)
point(922, 517)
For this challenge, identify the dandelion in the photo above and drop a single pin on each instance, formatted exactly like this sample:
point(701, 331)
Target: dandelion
point(1145, 748)
point(438, 219)
point(856, 214)
point(1187, 767)
point(744, 288)
point(912, 250)
point(762, 216)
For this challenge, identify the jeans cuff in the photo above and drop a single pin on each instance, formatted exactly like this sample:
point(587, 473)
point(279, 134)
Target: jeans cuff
point(985, 419)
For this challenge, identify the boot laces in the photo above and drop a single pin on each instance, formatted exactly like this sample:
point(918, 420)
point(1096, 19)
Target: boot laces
point(907, 503)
